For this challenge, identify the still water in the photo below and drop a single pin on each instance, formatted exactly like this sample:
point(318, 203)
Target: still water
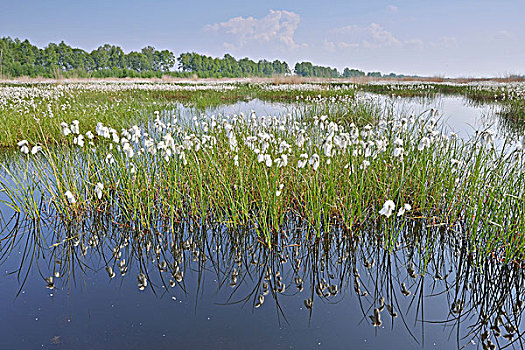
point(456, 114)
point(101, 284)
point(202, 288)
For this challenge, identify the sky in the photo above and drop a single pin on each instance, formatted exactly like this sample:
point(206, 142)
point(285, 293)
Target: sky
point(448, 38)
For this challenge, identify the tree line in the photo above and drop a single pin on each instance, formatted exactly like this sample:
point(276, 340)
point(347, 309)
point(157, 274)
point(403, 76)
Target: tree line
point(228, 66)
point(21, 58)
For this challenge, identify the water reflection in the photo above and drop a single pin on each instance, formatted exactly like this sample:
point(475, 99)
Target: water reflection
point(425, 286)
point(459, 114)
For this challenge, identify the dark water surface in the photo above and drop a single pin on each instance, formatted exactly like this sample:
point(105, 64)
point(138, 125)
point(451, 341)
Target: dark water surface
point(344, 277)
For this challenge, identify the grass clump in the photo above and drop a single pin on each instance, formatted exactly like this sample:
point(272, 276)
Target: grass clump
point(250, 171)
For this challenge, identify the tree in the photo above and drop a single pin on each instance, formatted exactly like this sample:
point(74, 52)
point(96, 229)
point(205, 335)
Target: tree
point(22, 58)
point(307, 69)
point(353, 73)
point(374, 74)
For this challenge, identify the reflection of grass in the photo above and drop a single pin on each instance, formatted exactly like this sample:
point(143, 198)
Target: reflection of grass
point(432, 262)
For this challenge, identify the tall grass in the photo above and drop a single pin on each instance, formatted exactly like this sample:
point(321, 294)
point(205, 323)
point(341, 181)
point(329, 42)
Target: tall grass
point(34, 111)
point(251, 171)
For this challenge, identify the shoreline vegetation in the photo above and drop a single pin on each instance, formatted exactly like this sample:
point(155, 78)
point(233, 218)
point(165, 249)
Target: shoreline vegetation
point(324, 166)
point(33, 109)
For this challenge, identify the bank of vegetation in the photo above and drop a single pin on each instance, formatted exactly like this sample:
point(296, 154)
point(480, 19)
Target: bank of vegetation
point(21, 58)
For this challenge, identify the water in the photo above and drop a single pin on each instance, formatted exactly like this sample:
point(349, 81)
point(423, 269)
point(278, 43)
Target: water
point(86, 308)
point(210, 308)
point(259, 106)
point(455, 113)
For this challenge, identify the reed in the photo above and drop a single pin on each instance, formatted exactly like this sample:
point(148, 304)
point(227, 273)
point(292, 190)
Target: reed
point(253, 171)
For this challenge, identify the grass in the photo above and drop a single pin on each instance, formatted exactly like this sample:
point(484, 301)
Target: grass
point(250, 172)
point(34, 112)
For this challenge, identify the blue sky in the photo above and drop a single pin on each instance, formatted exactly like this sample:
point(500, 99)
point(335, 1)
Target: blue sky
point(437, 38)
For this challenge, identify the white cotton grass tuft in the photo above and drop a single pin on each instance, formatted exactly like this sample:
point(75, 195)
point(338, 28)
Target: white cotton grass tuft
point(109, 159)
point(98, 190)
point(74, 127)
point(268, 160)
point(128, 150)
point(303, 159)
point(79, 140)
point(23, 146)
point(282, 161)
point(398, 142)
point(388, 208)
point(36, 149)
point(314, 161)
point(70, 198)
point(278, 192)
point(424, 143)
point(65, 129)
point(406, 207)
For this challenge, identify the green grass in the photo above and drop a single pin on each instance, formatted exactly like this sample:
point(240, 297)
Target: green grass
point(199, 172)
point(34, 112)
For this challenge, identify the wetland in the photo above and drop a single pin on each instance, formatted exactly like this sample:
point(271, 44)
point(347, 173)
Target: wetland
point(261, 215)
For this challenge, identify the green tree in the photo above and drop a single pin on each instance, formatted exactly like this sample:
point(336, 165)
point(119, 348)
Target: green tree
point(352, 73)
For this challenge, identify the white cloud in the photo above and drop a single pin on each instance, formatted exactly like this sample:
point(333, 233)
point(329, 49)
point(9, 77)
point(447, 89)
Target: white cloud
point(276, 28)
point(372, 38)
